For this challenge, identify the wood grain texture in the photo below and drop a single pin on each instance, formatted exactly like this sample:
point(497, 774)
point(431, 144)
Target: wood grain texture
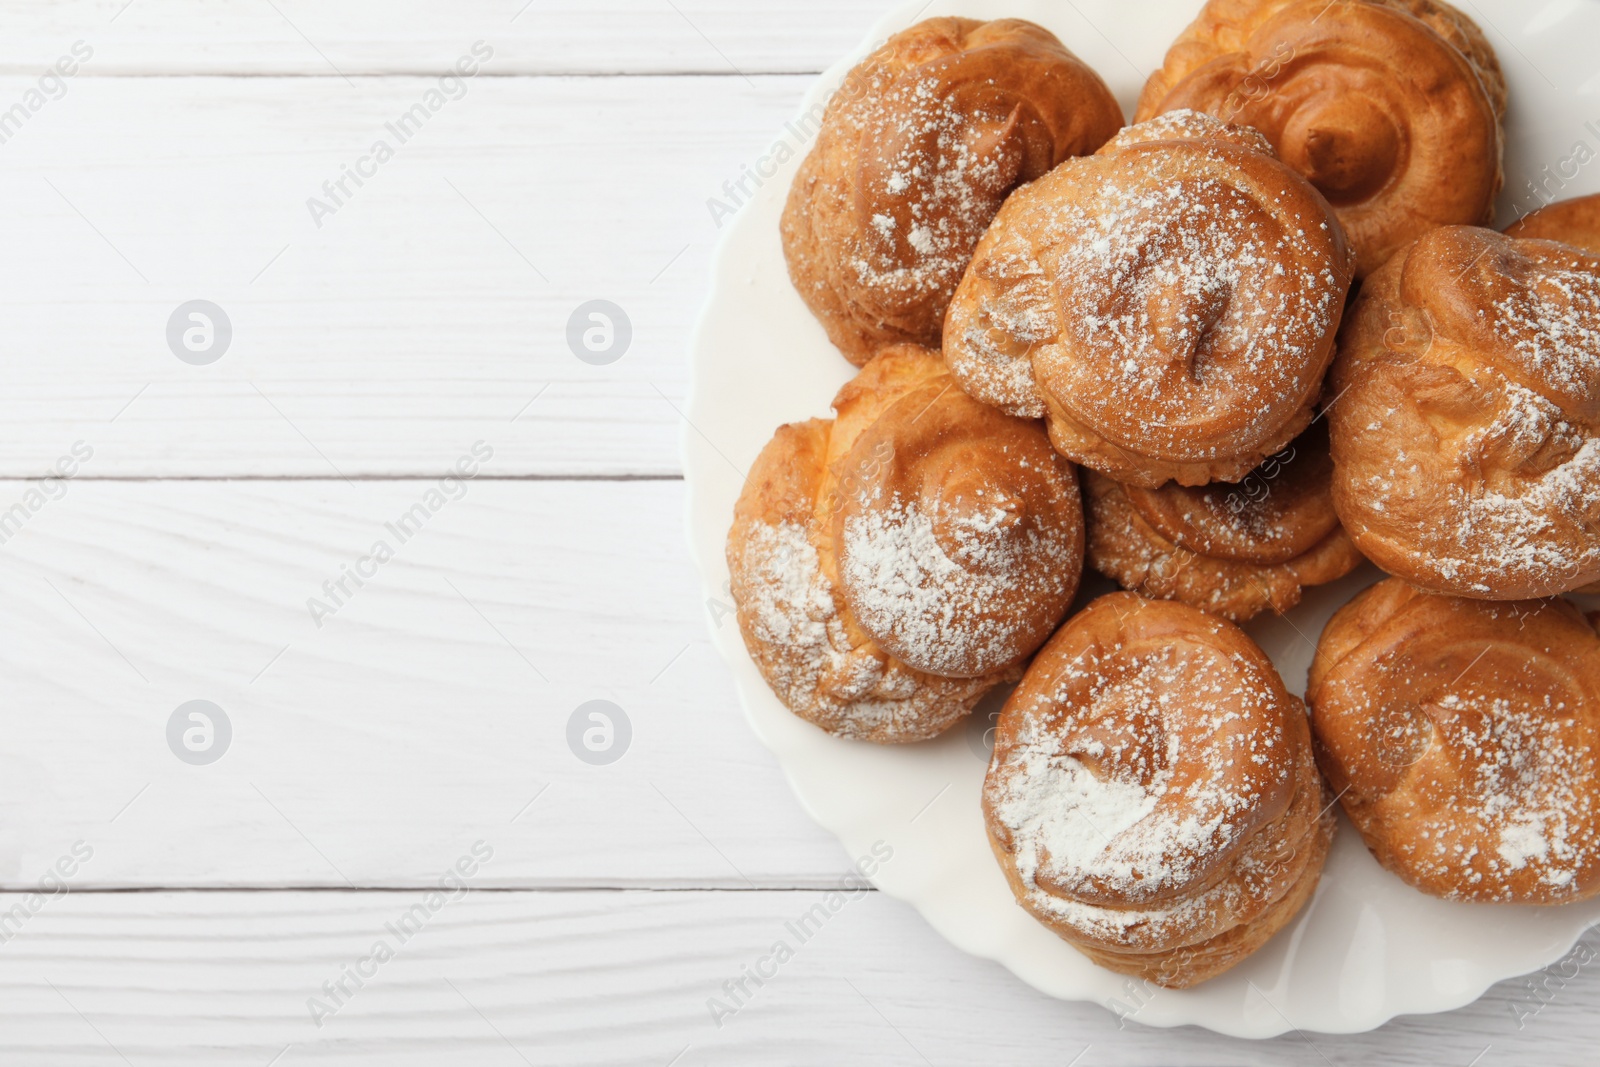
point(430, 309)
point(381, 747)
point(425, 314)
point(373, 37)
point(433, 302)
point(619, 978)
point(427, 711)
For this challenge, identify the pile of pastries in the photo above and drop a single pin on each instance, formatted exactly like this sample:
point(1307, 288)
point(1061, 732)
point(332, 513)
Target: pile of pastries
point(1222, 354)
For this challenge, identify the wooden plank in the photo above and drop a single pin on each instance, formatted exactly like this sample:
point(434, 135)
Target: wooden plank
point(365, 37)
point(432, 306)
point(617, 978)
point(430, 309)
point(429, 708)
point(380, 748)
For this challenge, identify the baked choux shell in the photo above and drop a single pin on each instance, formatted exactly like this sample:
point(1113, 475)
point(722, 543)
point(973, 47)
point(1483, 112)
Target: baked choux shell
point(1152, 788)
point(1391, 108)
point(1281, 510)
point(959, 533)
point(1463, 737)
point(1233, 549)
point(1169, 304)
point(1574, 222)
point(796, 598)
point(917, 149)
point(1466, 429)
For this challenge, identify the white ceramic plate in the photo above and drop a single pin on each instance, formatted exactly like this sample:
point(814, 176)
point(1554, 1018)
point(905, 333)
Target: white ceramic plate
point(1367, 948)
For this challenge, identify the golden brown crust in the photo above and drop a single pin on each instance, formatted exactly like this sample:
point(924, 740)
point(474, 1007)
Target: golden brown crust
point(1152, 796)
point(919, 146)
point(1466, 433)
point(1124, 296)
point(1232, 549)
point(1391, 107)
point(1192, 964)
point(1574, 222)
point(1464, 740)
point(891, 566)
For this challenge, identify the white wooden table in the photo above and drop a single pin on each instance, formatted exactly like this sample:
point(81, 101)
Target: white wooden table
point(420, 719)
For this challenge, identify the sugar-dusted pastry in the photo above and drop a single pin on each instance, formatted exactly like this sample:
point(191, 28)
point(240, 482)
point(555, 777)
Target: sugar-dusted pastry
point(1168, 303)
point(1466, 429)
point(1233, 549)
point(893, 564)
point(918, 147)
point(1391, 107)
point(1463, 738)
point(1152, 797)
point(1574, 222)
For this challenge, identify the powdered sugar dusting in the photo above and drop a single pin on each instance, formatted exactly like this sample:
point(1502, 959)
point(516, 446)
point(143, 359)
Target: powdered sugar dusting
point(1185, 302)
point(1509, 792)
point(1553, 326)
point(793, 599)
point(917, 151)
point(1187, 124)
point(989, 342)
point(1471, 432)
point(1526, 503)
point(1121, 801)
point(808, 655)
point(935, 188)
point(1175, 297)
point(938, 594)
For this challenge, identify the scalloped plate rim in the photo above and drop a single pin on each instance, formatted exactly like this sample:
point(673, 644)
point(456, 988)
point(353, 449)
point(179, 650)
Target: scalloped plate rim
point(1407, 999)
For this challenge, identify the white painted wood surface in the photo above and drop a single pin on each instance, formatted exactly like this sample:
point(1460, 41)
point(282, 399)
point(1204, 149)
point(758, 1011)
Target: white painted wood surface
point(505, 978)
point(427, 312)
point(377, 37)
point(429, 712)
